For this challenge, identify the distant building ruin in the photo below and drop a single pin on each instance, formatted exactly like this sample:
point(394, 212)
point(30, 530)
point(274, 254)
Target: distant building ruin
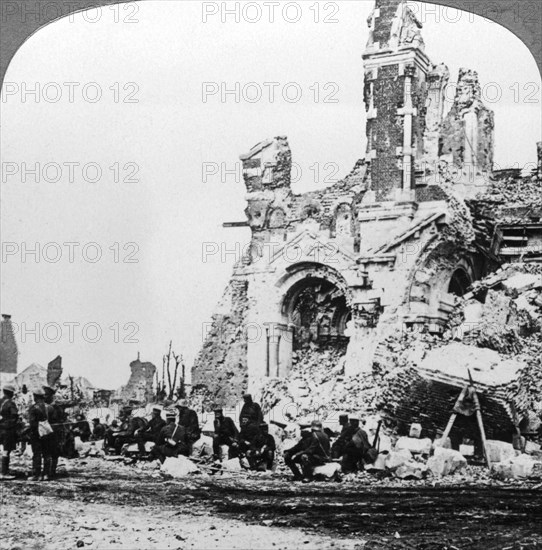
point(140, 384)
point(9, 353)
point(387, 247)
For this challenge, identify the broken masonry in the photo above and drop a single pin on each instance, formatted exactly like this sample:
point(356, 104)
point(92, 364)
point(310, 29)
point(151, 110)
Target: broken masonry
point(385, 252)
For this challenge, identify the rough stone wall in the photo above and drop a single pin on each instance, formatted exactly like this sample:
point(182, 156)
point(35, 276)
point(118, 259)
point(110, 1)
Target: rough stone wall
point(8, 347)
point(220, 372)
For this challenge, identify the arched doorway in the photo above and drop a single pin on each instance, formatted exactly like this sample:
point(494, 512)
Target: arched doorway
point(317, 311)
point(459, 283)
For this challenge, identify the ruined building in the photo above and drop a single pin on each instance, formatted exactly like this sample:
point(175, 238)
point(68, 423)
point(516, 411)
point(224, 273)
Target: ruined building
point(9, 352)
point(140, 384)
point(386, 248)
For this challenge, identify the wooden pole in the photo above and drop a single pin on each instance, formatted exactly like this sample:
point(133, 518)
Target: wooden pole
point(481, 428)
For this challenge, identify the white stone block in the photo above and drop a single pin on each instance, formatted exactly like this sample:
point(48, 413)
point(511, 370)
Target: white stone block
point(397, 458)
point(415, 446)
point(415, 431)
point(499, 451)
point(178, 467)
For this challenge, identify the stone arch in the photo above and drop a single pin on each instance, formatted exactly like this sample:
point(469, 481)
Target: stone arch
point(444, 269)
point(460, 281)
point(315, 304)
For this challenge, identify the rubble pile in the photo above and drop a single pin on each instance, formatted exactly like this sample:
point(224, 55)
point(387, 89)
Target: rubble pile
point(318, 386)
point(510, 193)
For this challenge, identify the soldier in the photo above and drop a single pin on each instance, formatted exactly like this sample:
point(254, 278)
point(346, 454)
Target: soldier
point(250, 430)
point(188, 419)
point(9, 417)
point(82, 428)
point(116, 438)
point(292, 457)
point(251, 410)
point(42, 445)
point(57, 419)
point(355, 449)
point(98, 430)
point(172, 440)
point(261, 454)
point(151, 431)
point(226, 433)
point(337, 449)
point(315, 454)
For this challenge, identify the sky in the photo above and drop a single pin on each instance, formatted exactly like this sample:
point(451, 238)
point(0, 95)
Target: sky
point(135, 129)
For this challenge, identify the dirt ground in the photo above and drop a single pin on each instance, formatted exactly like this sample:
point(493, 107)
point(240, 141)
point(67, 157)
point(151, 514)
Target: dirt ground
point(99, 504)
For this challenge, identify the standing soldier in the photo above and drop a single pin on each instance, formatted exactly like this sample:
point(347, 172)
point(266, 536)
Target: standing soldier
point(188, 419)
point(9, 417)
point(57, 419)
point(41, 445)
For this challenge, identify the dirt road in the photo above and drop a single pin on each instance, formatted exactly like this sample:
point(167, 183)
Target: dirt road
point(111, 505)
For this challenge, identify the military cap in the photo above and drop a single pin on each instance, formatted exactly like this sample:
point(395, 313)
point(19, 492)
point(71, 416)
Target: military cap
point(182, 403)
point(157, 408)
point(316, 425)
point(9, 388)
point(48, 389)
point(96, 420)
point(170, 413)
point(39, 391)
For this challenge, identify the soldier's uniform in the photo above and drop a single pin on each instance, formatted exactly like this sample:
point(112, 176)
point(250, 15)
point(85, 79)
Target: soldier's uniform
point(261, 454)
point(314, 454)
point(57, 419)
point(9, 417)
point(42, 447)
point(172, 441)
point(151, 430)
point(188, 419)
point(355, 449)
point(226, 433)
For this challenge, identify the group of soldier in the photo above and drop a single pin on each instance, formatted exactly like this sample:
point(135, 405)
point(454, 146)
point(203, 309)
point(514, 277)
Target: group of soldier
point(49, 433)
point(179, 431)
point(44, 424)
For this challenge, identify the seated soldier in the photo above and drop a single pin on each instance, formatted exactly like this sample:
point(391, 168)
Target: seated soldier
point(172, 441)
point(261, 454)
point(151, 431)
point(249, 431)
point(337, 449)
point(314, 454)
point(355, 449)
point(226, 433)
point(98, 430)
point(81, 428)
point(117, 438)
point(292, 457)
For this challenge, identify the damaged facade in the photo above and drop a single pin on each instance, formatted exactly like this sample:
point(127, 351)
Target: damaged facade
point(140, 386)
point(387, 249)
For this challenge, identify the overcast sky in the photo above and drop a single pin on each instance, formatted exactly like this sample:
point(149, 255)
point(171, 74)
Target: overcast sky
point(152, 131)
